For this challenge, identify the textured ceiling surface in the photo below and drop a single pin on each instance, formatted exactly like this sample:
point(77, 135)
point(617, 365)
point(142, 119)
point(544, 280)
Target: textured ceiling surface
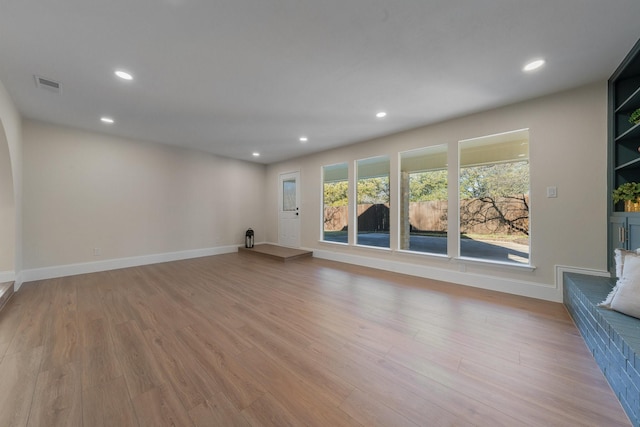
point(236, 76)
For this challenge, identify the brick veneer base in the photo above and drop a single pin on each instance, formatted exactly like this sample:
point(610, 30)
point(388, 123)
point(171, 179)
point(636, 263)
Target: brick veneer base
point(612, 337)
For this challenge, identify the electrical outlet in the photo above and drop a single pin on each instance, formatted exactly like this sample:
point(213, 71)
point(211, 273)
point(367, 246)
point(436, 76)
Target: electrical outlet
point(97, 251)
point(552, 192)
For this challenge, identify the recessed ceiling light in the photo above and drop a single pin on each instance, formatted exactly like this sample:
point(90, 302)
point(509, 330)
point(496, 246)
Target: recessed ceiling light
point(534, 65)
point(256, 154)
point(381, 114)
point(123, 75)
point(107, 120)
point(303, 139)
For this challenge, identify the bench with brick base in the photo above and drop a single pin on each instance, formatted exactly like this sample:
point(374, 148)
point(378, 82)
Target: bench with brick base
point(612, 337)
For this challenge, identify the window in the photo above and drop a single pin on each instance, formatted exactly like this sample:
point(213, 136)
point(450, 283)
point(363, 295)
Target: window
point(289, 203)
point(335, 180)
point(372, 210)
point(494, 197)
point(423, 200)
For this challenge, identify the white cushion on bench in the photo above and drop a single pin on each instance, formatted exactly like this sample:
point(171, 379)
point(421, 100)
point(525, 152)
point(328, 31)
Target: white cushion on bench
point(625, 297)
point(620, 256)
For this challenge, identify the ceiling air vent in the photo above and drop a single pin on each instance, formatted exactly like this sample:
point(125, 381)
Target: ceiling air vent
point(48, 84)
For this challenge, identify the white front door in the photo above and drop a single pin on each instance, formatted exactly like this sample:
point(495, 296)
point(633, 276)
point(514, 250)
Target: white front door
point(288, 210)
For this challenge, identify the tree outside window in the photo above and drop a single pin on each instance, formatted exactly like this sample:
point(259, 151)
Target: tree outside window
point(423, 200)
point(335, 203)
point(373, 202)
point(494, 197)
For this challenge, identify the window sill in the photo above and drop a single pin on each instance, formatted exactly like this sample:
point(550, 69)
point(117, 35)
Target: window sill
point(379, 248)
point(329, 242)
point(425, 254)
point(478, 261)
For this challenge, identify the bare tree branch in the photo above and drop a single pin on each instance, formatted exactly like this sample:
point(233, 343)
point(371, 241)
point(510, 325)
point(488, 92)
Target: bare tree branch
point(510, 214)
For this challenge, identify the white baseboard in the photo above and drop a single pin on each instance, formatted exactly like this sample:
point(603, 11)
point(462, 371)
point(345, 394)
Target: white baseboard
point(7, 276)
point(113, 264)
point(549, 292)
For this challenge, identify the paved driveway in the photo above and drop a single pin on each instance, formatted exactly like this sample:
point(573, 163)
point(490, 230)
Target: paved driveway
point(495, 251)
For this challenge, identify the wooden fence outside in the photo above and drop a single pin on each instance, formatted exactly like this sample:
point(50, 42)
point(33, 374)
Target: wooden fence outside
point(423, 216)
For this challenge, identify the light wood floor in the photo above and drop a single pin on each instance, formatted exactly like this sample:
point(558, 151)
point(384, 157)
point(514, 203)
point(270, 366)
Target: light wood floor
point(237, 340)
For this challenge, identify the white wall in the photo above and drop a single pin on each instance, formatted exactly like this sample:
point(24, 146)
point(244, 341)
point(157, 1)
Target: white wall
point(130, 199)
point(568, 149)
point(10, 216)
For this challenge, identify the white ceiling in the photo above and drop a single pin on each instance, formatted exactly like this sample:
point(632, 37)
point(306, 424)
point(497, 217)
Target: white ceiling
point(236, 76)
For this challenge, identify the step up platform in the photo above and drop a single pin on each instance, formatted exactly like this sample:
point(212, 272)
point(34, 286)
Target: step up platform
point(276, 252)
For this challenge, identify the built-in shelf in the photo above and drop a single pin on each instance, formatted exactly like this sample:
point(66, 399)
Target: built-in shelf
point(635, 163)
point(631, 103)
point(632, 133)
point(623, 151)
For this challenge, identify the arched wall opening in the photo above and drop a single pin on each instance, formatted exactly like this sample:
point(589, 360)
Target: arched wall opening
point(7, 212)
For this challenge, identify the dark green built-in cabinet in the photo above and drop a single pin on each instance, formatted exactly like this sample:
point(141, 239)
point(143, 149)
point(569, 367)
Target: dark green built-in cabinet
point(624, 154)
